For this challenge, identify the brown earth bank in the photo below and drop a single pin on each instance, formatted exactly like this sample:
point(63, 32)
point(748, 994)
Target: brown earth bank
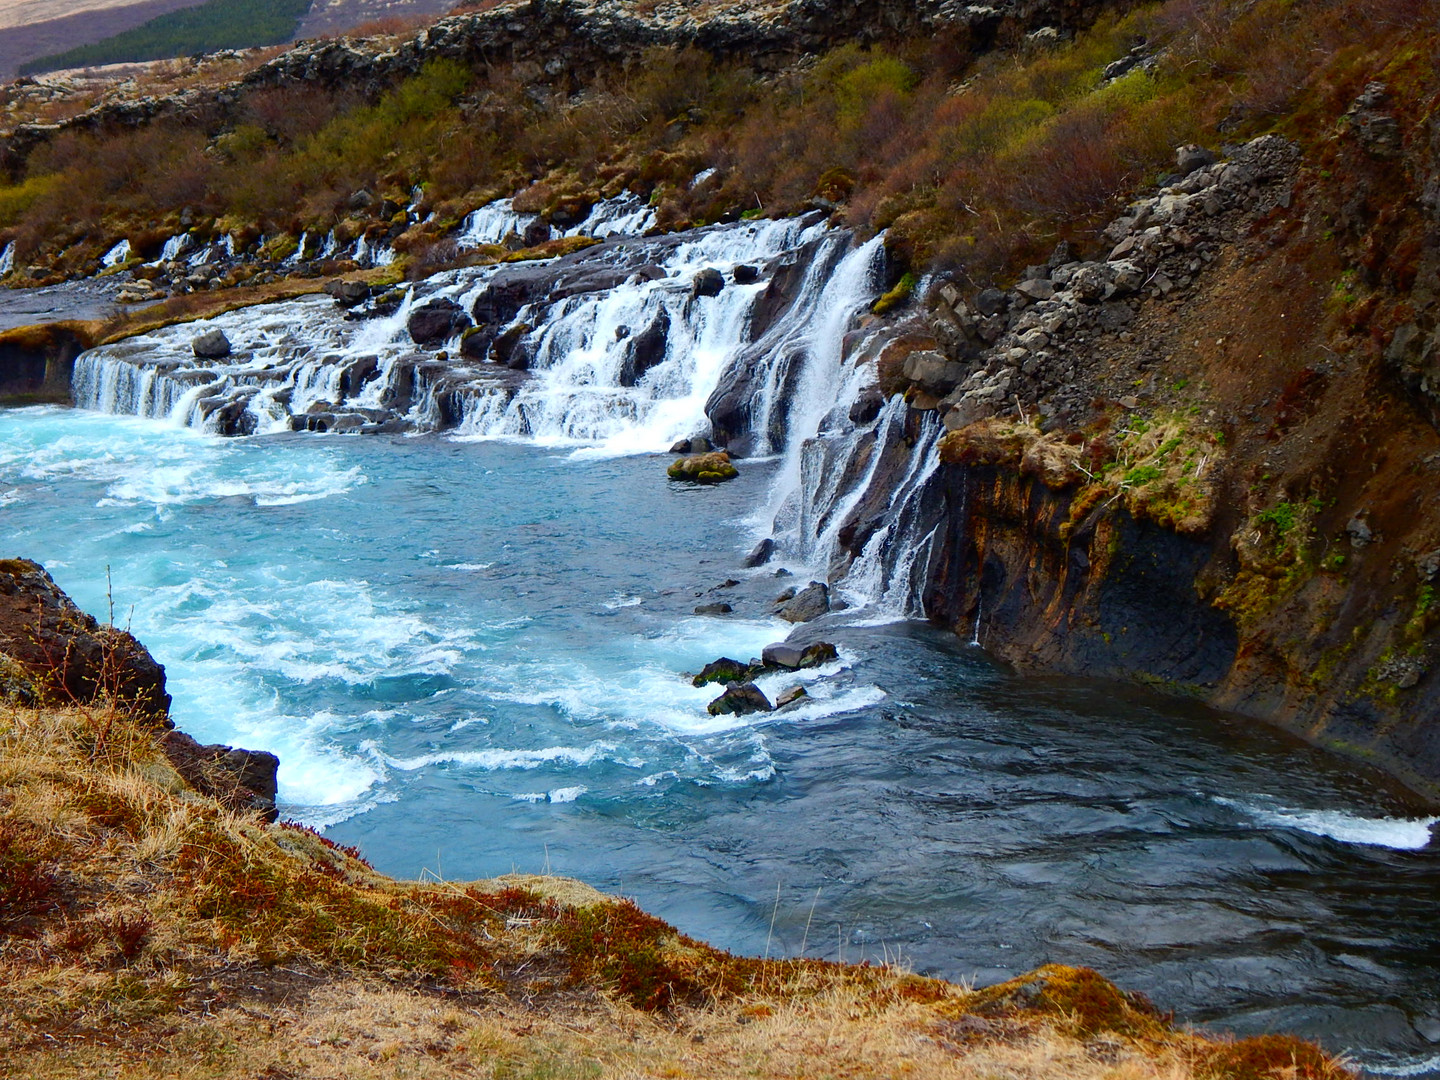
point(156, 923)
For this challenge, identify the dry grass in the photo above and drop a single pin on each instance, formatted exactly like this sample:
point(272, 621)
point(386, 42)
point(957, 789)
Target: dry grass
point(145, 929)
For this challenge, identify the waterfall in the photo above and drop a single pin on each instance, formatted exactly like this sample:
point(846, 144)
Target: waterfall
point(176, 246)
point(7, 259)
point(745, 332)
point(625, 215)
point(116, 255)
point(298, 255)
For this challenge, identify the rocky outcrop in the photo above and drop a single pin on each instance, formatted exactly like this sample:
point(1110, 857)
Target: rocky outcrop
point(243, 780)
point(1003, 351)
point(53, 654)
point(69, 656)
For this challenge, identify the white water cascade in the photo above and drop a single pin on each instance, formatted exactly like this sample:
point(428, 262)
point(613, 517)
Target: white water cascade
point(7, 259)
point(116, 255)
point(625, 215)
point(743, 332)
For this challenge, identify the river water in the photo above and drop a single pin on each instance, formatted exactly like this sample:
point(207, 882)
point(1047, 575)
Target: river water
point(470, 650)
point(469, 657)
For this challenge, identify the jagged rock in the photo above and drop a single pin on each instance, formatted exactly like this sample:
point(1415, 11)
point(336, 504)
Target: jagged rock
point(240, 779)
point(1036, 288)
point(740, 699)
point(723, 670)
point(436, 321)
point(933, 371)
point(819, 654)
point(789, 697)
point(360, 200)
point(714, 609)
point(744, 274)
point(794, 657)
point(697, 445)
point(1191, 157)
point(211, 345)
point(712, 468)
point(760, 554)
point(1377, 128)
point(990, 302)
point(69, 656)
point(867, 406)
point(708, 282)
point(809, 603)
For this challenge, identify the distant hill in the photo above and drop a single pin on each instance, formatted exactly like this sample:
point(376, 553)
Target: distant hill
point(217, 24)
point(47, 28)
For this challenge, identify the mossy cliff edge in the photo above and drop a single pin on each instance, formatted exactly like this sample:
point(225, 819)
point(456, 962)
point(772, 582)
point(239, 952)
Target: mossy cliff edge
point(149, 928)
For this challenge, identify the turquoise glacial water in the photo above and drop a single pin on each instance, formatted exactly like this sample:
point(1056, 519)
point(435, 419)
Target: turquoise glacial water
point(470, 658)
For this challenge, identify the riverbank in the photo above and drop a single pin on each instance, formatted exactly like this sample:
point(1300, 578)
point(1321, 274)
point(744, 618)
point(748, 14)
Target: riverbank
point(151, 928)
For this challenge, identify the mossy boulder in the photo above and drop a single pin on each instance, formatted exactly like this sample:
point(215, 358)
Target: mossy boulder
point(712, 468)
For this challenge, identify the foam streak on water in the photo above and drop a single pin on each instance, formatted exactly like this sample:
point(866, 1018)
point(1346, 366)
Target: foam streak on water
point(1401, 834)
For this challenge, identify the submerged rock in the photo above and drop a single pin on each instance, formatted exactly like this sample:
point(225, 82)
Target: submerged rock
point(809, 603)
point(740, 699)
point(714, 609)
point(711, 468)
point(789, 697)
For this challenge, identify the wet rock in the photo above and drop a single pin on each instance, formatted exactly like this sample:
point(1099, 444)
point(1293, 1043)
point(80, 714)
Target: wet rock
point(781, 655)
point(794, 657)
point(745, 274)
point(809, 603)
point(506, 347)
point(239, 779)
point(1428, 1028)
point(739, 700)
point(789, 697)
point(714, 609)
point(760, 554)
point(712, 468)
point(697, 445)
point(211, 345)
point(867, 406)
point(436, 321)
point(724, 670)
point(707, 282)
point(646, 349)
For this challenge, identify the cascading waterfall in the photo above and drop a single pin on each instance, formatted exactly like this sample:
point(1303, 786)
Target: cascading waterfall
point(7, 259)
point(116, 255)
point(625, 215)
point(624, 351)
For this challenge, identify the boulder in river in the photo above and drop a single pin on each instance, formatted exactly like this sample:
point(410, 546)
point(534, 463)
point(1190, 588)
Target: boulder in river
point(436, 321)
point(760, 554)
point(712, 468)
point(707, 282)
point(724, 670)
point(789, 697)
point(793, 657)
point(714, 609)
point(211, 345)
point(740, 699)
point(809, 603)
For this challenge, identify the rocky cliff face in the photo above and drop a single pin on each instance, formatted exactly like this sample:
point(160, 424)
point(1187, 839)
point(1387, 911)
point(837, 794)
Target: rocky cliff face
point(1206, 457)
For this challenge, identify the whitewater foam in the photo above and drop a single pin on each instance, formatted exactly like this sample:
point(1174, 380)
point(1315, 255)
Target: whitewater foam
point(1401, 834)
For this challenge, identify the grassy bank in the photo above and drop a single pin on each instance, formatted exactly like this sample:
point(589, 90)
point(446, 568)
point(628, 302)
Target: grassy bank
point(146, 929)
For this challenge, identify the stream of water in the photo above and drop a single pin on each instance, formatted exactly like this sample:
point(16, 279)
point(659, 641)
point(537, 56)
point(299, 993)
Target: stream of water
point(470, 650)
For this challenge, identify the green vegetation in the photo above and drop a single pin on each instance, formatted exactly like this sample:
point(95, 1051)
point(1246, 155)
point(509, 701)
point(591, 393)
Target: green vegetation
point(975, 163)
point(214, 25)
